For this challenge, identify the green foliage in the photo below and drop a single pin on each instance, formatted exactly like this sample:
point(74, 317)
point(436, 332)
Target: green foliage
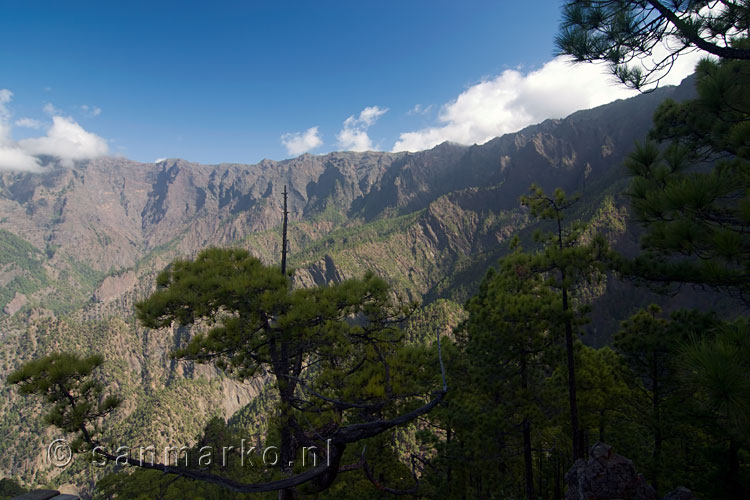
point(650, 347)
point(672, 394)
point(68, 287)
point(141, 484)
point(76, 399)
point(571, 256)
point(628, 34)
point(682, 415)
point(149, 484)
point(249, 309)
point(371, 232)
point(718, 374)
point(333, 353)
point(218, 436)
point(718, 368)
point(512, 324)
point(649, 344)
point(9, 489)
point(603, 393)
point(26, 260)
point(512, 315)
point(513, 375)
point(509, 362)
point(698, 219)
point(441, 316)
point(686, 374)
point(570, 263)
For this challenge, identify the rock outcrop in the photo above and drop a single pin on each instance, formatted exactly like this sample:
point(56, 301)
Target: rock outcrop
point(609, 476)
point(606, 475)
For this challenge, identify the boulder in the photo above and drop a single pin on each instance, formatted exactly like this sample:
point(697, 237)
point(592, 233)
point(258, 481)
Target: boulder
point(609, 476)
point(606, 476)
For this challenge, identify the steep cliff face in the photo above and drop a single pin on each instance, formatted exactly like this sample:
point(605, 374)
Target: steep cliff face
point(110, 214)
point(79, 246)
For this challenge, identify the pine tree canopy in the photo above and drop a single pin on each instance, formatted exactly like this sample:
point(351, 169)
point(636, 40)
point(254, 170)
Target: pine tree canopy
point(693, 195)
point(334, 355)
point(642, 39)
point(76, 398)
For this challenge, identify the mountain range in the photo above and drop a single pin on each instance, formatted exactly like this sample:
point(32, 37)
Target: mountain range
point(79, 246)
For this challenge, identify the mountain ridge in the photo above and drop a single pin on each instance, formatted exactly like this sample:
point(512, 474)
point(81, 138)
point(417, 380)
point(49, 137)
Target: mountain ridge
point(79, 246)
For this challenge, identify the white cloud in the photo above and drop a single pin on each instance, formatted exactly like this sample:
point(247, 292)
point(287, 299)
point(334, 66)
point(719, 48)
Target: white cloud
point(5, 97)
point(12, 157)
point(91, 110)
point(159, 160)
point(51, 110)
point(297, 143)
point(68, 141)
point(353, 135)
point(29, 123)
point(419, 109)
point(15, 158)
point(65, 139)
point(513, 100)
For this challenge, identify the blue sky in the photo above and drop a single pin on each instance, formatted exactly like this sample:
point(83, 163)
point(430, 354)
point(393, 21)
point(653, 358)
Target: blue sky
point(240, 81)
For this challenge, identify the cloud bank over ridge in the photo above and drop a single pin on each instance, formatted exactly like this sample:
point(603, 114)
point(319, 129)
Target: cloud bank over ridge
point(65, 139)
point(513, 100)
point(297, 143)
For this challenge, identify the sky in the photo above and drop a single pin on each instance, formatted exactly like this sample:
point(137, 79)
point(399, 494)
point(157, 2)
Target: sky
point(221, 81)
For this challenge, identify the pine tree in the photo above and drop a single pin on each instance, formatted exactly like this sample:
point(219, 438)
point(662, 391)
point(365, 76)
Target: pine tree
point(718, 373)
point(509, 331)
point(641, 40)
point(650, 346)
point(334, 354)
point(691, 194)
point(698, 218)
point(76, 398)
point(568, 262)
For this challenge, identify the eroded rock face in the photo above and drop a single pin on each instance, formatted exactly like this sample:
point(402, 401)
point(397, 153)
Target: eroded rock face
point(609, 476)
point(606, 476)
point(12, 307)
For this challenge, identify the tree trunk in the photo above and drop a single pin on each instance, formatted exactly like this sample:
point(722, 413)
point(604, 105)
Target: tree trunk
point(733, 477)
point(528, 464)
point(655, 395)
point(283, 236)
point(527, 458)
point(288, 444)
point(288, 452)
point(558, 474)
point(578, 451)
point(449, 473)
